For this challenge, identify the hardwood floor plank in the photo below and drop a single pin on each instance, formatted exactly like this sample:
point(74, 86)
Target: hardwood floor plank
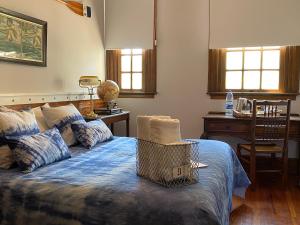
point(270, 204)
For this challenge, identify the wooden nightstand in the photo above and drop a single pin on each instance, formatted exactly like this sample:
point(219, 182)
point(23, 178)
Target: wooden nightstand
point(111, 119)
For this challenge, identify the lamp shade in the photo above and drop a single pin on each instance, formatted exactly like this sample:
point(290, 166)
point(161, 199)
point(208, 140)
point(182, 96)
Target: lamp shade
point(89, 81)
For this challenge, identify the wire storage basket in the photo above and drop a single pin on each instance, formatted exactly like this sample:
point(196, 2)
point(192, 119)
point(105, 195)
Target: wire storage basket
point(169, 165)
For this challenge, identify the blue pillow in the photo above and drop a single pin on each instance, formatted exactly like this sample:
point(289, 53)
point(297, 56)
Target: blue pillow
point(32, 152)
point(91, 133)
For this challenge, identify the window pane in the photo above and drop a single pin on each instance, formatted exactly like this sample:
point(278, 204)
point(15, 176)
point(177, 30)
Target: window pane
point(271, 59)
point(251, 79)
point(252, 60)
point(233, 80)
point(137, 63)
point(137, 51)
point(125, 81)
point(270, 80)
point(137, 81)
point(234, 60)
point(126, 63)
point(126, 51)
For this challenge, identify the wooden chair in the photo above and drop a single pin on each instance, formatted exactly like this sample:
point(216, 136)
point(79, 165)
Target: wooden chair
point(269, 135)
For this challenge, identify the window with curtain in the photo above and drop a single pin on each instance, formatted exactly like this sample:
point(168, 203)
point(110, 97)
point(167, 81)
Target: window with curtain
point(254, 72)
point(134, 70)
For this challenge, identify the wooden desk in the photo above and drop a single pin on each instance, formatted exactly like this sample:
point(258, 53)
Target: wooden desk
point(217, 124)
point(111, 119)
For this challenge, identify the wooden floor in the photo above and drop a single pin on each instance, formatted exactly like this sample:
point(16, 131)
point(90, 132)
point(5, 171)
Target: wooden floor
point(269, 204)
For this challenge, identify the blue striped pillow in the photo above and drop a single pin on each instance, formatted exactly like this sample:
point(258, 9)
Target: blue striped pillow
point(32, 152)
point(91, 133)
point(14, 124)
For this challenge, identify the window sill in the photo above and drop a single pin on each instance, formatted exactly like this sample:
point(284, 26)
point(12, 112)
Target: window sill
point(256, 95)
point(137, 94)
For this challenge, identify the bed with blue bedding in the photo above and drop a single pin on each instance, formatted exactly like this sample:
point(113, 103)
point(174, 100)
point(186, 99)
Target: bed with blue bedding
point(100, 186)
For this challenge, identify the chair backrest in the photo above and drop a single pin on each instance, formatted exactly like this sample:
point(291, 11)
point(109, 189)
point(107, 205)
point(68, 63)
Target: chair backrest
point(270, 124)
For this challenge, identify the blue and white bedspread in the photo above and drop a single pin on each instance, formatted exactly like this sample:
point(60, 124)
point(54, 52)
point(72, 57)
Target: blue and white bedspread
point(100, 186)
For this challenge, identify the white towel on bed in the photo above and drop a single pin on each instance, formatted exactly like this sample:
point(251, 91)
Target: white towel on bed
point(165, 131)
point(143, 126)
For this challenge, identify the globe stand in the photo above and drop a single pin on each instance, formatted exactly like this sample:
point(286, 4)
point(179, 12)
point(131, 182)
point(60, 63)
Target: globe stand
point(111, 105)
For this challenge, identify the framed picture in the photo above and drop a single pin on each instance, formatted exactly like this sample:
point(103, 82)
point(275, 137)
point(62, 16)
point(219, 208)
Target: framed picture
point(23, 39)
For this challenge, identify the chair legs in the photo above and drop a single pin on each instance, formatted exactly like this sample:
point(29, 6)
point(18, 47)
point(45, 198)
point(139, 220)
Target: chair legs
point(253, 170)
point(285, 169)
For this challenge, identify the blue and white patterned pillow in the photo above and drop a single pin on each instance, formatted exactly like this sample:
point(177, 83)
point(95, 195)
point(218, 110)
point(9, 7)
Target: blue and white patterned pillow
point(17, 123)
point(14, 124)
point(34, 151)
point(62, 117)
point(91, 133)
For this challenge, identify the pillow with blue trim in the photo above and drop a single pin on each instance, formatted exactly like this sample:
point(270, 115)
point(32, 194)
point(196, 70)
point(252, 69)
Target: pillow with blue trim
point(62, 117)
point(91, 133)
point(17, 123)
point(34, 151)
point(14, 124)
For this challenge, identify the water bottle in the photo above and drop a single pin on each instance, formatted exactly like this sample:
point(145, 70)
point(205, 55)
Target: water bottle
point(229, 104)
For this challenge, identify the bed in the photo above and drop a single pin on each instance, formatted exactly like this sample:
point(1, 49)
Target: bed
point(100, 186)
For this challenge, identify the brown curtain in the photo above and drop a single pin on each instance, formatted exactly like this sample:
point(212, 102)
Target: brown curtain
point(289, 69)
point(113, 62)
point(150, 71)
point(216, 70)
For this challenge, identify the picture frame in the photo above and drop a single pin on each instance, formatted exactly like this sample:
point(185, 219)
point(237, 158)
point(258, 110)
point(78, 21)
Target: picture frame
point(23, 39)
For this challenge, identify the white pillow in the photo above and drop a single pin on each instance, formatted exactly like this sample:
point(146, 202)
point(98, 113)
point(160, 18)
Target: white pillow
point(40, 117)
point(62, 117)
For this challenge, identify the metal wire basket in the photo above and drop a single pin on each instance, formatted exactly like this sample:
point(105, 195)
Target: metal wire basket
point(170, 165)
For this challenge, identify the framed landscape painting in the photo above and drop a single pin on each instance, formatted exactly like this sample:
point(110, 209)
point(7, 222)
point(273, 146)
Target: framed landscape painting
point(23, 39)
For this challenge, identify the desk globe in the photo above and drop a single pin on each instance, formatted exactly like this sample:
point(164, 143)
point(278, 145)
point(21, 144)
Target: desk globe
point(108, 91)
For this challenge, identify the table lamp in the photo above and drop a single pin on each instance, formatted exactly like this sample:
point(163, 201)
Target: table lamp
point(90, 82)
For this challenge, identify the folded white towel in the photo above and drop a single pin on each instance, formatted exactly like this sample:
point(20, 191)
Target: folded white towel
point(143, 126)
point(144, 153)
point(164, 131)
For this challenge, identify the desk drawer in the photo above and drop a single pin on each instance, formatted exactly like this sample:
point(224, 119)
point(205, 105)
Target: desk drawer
point(227, 126)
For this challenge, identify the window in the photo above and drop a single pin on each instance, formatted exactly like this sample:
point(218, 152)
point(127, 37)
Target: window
point(256, 72)
point(132, 69)
point(255, 68)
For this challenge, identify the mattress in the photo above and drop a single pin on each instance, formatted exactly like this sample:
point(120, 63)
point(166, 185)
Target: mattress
point(100, 186)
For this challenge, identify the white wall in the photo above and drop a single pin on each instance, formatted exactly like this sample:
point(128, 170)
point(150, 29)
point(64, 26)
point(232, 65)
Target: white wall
point(75, 48)
point(182, 67)
point(183, 36)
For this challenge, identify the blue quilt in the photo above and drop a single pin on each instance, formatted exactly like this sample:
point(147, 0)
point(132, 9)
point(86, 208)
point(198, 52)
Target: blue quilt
point(100, 186)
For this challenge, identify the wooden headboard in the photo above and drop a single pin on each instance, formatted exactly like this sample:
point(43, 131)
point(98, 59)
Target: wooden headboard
point(83, 106)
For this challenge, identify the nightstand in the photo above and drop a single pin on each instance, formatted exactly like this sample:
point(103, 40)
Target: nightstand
point(109, 120)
